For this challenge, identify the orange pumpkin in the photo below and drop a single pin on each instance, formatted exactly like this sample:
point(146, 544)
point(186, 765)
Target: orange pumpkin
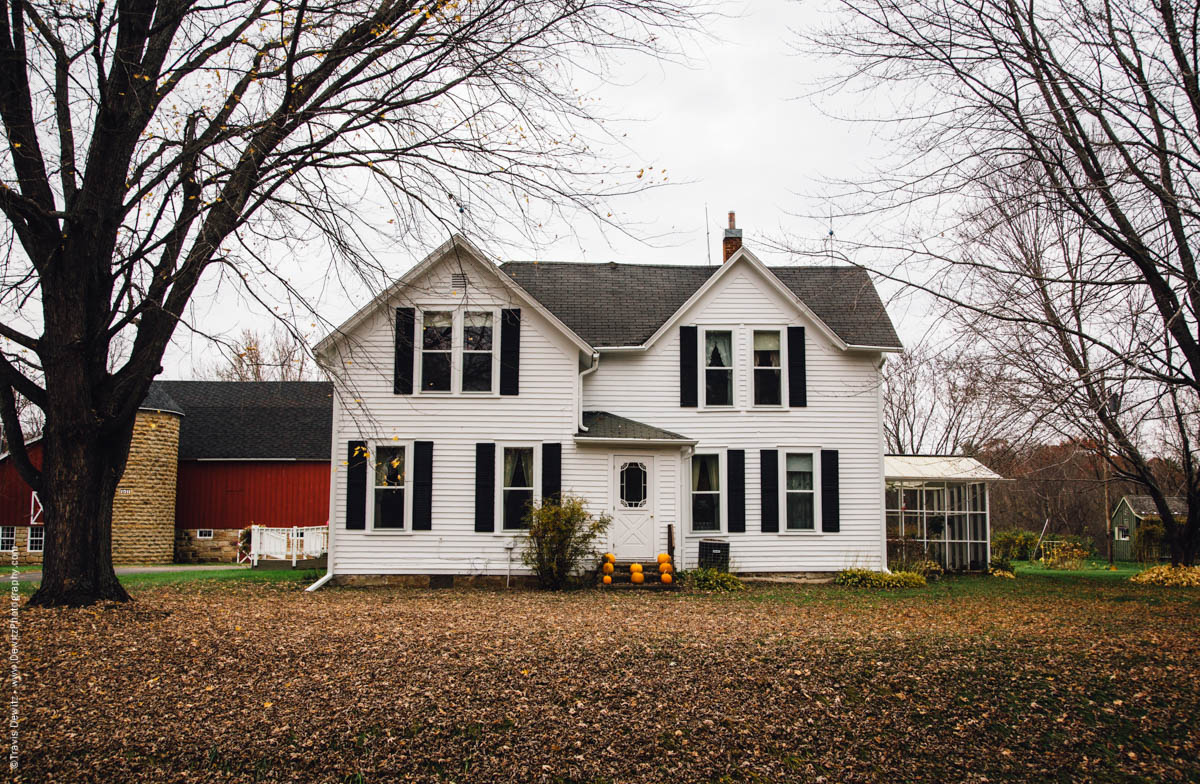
point(637, 578)
point(664, 558)
point(635, 567)
point(666, 578)
point(666, 568)
point(610, 557)
point(607, 579)
point(608, 568)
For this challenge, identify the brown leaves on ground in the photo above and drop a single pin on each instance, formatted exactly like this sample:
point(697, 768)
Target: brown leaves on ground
point(973, 680)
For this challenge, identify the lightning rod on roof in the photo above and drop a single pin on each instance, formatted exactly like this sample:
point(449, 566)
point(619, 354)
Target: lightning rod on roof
point(707, 234)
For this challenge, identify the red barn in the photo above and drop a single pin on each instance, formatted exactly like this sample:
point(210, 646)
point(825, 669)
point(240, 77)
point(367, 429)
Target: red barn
point(209, 458)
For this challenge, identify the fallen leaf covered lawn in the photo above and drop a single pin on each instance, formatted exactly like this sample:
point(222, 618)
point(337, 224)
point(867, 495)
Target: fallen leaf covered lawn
point(970, 680)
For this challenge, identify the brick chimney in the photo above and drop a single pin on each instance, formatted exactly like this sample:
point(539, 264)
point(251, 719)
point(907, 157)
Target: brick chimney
point(732, 241)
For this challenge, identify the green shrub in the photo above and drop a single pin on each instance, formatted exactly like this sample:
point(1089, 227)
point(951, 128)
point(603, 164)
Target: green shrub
point(1147, 541)
point(710, 579)
point(1000, 563)
point(1014, 544)
point(930, 570)
point(562, 537)
point(1063, 555)
point(885, 581)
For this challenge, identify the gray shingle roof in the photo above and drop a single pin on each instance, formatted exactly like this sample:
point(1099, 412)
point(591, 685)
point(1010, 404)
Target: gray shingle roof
point(1143, 505)
point(157, 399)
point(614, 304)
point(250, 419)
point(601, 424)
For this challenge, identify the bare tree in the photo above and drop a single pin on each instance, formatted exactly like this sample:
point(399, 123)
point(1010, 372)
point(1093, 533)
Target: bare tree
point(1080, 121)
point(151, 140)
point(942, 402)
point(277, 356)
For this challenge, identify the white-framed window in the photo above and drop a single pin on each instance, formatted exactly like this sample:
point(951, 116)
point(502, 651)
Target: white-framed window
point(1121, 533)
point(390, 499)
point(204, 533)
point(706, 492)
point(8, 538)
point(766, 358)
point(634, 491)
point(478, 350)
point(37, 538)
point(718, 367)
point(519, 473)
point(800, 479)
point(437, 350)
point(458, 351)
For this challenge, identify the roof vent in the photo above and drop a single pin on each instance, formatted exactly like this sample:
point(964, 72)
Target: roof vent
point(458, 280)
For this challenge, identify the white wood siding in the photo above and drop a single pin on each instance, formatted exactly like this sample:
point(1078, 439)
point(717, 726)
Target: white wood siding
point(842, 414)
point(545, 411)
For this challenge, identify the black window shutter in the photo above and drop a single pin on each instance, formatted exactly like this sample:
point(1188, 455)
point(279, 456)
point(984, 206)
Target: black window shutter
point(735, 467)
point(485, 487)
point(402, 380)
point(422, 509)
point(356, 486)
point(688, 388)
point(769, 490)
point(551, 471)
point(510, 351)
point(797, 383)
point(831, 520)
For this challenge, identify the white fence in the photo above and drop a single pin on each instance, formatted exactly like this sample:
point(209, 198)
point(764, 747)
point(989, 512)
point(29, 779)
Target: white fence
point(287, 544)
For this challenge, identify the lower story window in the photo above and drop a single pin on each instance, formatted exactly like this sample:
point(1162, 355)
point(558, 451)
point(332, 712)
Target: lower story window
point(8, 537)
point(204, 533)
point(801, 507)
point(37, 538)
point(1122, 533)
point(517, 485)
point(706, 492)
point(390, 476)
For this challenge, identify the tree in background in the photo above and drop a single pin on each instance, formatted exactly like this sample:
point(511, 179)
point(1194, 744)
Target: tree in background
point(148, 141)
point(1054, 146)
point(278, 356)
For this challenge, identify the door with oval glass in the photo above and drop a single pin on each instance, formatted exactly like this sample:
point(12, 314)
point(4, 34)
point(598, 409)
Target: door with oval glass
point(632, 531)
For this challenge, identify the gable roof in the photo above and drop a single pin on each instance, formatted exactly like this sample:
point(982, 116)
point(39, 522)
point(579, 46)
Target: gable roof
point(1143, 505)
point(603, 426)
point(461, 248)
point(611, 304)
point(247, 420)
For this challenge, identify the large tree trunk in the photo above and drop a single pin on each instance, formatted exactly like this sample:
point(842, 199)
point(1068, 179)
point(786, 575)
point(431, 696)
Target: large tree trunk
point(82, 466)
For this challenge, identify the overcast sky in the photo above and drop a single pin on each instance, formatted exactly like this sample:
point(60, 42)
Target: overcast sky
point(737, 128)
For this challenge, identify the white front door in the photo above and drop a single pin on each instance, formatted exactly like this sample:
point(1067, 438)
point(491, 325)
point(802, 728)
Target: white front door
point(632, 529)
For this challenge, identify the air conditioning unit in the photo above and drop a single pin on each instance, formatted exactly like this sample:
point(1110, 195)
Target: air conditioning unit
point(714, 554)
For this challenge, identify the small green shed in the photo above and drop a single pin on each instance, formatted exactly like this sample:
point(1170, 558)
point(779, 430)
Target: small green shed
point(1132, 511)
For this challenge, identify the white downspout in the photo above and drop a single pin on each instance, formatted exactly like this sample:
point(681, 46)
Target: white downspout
point(330, 541)
point(585, 372)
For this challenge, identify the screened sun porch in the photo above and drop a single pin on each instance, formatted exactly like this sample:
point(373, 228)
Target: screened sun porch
point(937, 509)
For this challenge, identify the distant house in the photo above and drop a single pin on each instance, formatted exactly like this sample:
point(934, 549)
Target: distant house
point(1131, 512)
point(208, 458)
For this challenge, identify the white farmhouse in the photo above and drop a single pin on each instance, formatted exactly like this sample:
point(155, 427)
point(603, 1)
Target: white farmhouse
point(734, 407)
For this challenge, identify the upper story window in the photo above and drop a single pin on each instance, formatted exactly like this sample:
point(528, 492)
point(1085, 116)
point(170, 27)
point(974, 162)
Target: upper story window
point(477, 351)
point(458, 351)
point(437, 349)
point(390, 480)
point(768, 368)
point(718, 367)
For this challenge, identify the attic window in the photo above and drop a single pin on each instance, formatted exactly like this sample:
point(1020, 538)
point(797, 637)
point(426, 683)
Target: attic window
point(458, 281)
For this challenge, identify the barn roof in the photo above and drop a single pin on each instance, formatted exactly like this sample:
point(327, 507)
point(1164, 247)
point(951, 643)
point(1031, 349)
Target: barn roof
point(1143, 505)
point(248, 420)
point(611, 304)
